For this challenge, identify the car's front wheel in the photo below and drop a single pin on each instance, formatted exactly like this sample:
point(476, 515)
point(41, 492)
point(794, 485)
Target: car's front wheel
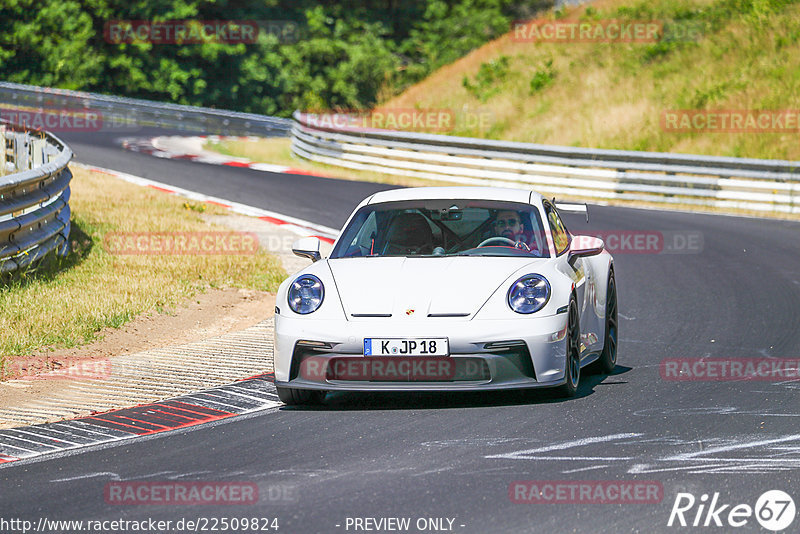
point(572, 367)
point(292, 396)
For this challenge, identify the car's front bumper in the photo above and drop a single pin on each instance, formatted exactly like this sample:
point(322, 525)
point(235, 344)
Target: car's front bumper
point(484, 354)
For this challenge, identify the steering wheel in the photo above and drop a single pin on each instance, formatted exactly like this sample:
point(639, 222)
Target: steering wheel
point(503, 240)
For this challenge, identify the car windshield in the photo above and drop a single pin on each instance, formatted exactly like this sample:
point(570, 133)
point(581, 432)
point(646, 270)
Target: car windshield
point(431, 228)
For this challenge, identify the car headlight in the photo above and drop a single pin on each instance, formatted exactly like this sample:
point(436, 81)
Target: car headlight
point(306, 294)
point(529, 294)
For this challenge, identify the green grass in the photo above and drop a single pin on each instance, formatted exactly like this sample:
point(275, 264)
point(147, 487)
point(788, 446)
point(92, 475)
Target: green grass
point(742, 55)
point(277, 151)
point(746, 56)
point(69, 300)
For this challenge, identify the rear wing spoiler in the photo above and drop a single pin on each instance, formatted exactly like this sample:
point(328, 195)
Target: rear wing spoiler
point(572, 207)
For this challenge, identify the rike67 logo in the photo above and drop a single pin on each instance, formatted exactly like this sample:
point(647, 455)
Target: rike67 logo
point(774, 510)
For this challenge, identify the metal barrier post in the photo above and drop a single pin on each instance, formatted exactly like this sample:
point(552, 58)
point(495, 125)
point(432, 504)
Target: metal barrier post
point(35, 195)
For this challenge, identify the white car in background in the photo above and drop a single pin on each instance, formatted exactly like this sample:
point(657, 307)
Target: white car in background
point(447, 289)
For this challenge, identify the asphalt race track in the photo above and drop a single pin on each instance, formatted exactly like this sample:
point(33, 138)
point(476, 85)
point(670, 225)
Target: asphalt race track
point(454, 456)
point(320, 200)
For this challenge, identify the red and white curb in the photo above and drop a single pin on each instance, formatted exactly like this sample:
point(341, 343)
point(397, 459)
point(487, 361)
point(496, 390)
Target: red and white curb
point(169, 147)
point(254, 394)
point(297, 226)
point(251, 395)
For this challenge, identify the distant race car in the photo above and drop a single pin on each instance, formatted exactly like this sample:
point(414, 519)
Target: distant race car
point(447, 289)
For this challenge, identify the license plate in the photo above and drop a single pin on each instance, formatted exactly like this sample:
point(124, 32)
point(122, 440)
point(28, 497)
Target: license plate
point(437, 346)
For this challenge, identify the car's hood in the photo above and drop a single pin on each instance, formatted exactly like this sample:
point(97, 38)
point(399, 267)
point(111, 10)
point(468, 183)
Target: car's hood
point(417, 287)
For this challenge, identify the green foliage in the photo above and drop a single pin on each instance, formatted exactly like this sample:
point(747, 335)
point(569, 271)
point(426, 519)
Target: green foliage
point(195, 206)
point(342, 64)
point(447, 31)
point(350, 52)
point(543, 77)
point(485, 84)
point(43, 44)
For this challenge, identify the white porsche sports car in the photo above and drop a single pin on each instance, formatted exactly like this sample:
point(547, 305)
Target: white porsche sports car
point(448, 289)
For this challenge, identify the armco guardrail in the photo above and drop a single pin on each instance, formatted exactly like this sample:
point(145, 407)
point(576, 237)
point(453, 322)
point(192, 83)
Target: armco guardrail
point(753, 184)
point(34, 196)
point(118, 113)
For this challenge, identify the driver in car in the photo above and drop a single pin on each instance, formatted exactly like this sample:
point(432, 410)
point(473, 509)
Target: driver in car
point(508, 224)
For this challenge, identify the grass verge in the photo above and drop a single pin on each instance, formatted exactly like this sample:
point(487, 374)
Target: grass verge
point(67, 302)
point(742, 55)
point(277, 151)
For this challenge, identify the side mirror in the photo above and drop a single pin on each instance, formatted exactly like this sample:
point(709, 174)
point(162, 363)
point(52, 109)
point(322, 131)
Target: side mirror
point(307, 247)
point(585, 245)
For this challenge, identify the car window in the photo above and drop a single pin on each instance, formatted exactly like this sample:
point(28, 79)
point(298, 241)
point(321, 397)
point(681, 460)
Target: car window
point(557, 228)
point(364, 239)
point(444, 228)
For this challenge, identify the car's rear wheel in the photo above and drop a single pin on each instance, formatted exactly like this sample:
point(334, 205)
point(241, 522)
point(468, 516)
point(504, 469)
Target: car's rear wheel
point(608, 358)
point(572, 367)
point(292, 396)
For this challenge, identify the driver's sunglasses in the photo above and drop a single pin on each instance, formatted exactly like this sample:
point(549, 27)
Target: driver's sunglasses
point(503, 223)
